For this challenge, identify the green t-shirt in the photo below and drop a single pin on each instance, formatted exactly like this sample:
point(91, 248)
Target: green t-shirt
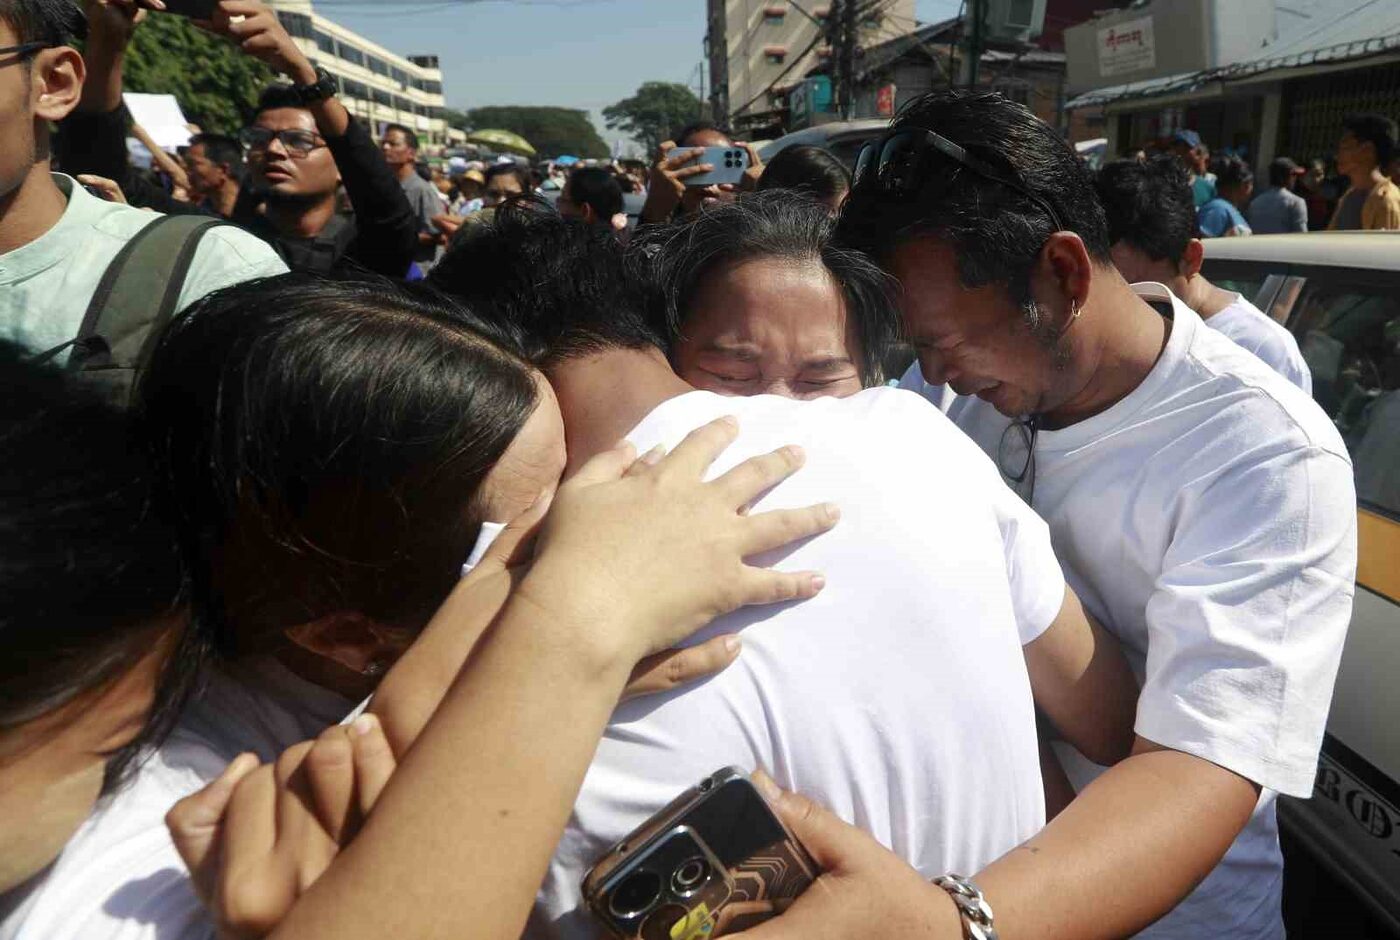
point(46, 285)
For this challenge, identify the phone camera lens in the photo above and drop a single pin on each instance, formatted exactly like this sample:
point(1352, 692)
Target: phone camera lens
point(690, 875)
point(635, 895)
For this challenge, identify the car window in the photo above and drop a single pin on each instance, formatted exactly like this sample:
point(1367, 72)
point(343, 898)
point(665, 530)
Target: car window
point(1248, 286)
point(1348, 327)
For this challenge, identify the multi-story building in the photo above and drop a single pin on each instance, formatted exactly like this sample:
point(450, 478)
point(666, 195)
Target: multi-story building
point(759, 50)
point(376, 85)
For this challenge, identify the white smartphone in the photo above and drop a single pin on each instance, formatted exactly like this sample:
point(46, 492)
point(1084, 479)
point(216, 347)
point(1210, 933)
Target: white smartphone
point(729, 165)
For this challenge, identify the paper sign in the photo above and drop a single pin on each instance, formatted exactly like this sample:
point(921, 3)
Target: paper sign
point(1127, 47)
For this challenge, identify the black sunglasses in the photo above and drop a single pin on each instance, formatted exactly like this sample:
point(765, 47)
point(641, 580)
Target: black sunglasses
point(895, 163)
point(24, 50)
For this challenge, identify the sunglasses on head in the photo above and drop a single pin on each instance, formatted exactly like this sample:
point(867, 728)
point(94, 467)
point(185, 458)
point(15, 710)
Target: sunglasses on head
point(897, 163)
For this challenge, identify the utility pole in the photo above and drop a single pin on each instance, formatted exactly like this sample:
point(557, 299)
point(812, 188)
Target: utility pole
point(843, 36)
point(973, 30)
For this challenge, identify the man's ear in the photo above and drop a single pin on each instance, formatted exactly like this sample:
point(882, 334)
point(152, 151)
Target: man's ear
point(348, 638)
point(590, 215)
point(56, 82)
point(1191, 261)
point(1066, 261)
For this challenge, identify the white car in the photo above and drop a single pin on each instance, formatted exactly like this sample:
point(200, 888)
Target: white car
point(1339, 294)
point(843, 138)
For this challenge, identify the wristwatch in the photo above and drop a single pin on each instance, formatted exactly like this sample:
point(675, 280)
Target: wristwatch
point(322, 88)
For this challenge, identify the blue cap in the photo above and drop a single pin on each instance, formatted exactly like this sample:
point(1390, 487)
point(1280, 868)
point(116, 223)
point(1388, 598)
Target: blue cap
point(1189, 138)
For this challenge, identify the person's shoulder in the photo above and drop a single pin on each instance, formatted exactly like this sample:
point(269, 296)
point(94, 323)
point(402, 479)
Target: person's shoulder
point(1249, 394)
point(120, 876)
point(228, 255)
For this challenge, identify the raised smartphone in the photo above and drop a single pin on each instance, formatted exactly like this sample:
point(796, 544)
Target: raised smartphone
point(716, 861)
point(729, 165)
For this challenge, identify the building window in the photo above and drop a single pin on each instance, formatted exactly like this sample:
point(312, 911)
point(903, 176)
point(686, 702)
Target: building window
point(399, 76)
point(774, 14)
point(297, 25)
point(350, 54)
point(378, 66)
point(403, 104)
point(325, 43)
point(775, 54)
point(383, 97)
point(353, 88)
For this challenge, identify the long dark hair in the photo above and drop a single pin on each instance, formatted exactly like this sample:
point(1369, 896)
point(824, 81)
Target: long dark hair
point(777, 224)
point(87, 570)
point(320, 446)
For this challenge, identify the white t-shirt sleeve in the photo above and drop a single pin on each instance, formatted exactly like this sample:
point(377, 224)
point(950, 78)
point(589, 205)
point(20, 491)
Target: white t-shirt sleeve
point(1248, 618)
point(1036, 579)
point(1032, 570)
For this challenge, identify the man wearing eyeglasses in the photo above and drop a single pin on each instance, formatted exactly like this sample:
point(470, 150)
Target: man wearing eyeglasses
point(57, 239)
point(1202, 508)
point(300, 147)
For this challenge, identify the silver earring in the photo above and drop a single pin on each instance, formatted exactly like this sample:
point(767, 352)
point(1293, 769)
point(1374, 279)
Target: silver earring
point(376, 667)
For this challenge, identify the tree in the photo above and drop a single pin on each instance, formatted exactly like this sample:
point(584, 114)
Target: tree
point(552, 131)
point(656, 111)
point(216, 84)
point(455, 118)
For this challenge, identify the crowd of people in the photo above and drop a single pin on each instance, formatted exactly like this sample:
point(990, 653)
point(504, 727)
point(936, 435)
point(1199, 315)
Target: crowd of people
point(370, 571)
point(1360, 194)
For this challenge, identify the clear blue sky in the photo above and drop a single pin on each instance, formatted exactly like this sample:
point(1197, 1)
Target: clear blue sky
point(573, 53)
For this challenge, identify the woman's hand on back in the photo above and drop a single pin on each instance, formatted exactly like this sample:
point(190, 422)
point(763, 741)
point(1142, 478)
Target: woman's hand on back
point(645, 552)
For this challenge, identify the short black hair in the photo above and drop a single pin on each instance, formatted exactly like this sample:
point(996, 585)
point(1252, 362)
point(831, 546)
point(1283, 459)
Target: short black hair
point(56, 22)
point(684, 133)
point(409, 137)
point(813, 170)
point(565, 288)
point(780, 225)
point(1149, 206)
point(1376, 129)
point(89, 568)
point(521, 175)
point(1231, 172)
point(278, 95)
point(220, 148)
point(996, 232)
point(320, 445)
point(1281, 172)
point(596, 187)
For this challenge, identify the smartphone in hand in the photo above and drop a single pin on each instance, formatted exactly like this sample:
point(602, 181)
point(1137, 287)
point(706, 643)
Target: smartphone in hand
point(715, 861)
point(729, 165)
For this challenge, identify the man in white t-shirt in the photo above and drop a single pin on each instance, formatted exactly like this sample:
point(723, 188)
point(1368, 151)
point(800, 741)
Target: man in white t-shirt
point(900, 695)
point(1152, 233)
point(1202, 507)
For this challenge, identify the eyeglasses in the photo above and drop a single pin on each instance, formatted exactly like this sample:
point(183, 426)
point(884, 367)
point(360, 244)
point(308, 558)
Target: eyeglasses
point(297, 142)
point(1016, 456)
point(895, 163)
point(24, 50)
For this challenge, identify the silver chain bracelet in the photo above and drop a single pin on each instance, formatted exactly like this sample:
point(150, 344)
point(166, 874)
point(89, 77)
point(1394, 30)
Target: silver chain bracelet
point(976, 913)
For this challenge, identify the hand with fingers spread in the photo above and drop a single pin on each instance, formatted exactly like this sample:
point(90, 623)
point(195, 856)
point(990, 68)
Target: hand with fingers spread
point(258, 836)
point(666, 186)
point(653, 554)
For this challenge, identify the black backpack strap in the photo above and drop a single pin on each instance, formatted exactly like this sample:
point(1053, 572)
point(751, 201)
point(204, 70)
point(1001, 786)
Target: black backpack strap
point(138, 293)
